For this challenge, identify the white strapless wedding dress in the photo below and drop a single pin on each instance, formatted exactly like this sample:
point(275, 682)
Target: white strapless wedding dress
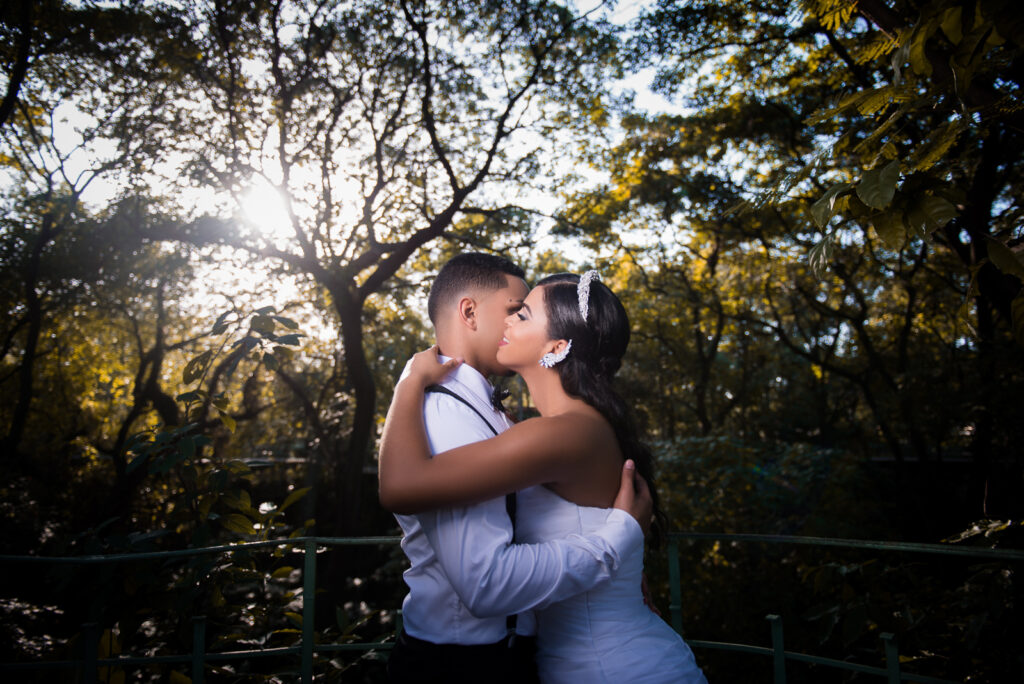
point(604, 635)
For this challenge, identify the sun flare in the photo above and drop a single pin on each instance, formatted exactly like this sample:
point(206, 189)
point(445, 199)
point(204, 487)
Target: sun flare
point(264, 208)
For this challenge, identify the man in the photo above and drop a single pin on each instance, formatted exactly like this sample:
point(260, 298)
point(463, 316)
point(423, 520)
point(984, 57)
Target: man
point(466, 577)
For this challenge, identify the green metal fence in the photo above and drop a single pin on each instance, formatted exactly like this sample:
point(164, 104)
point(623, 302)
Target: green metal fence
point(892, 671)
point(307, 649)
point(90, 661)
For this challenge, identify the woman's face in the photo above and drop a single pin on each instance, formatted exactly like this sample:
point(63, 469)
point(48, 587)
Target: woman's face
point(526, 333)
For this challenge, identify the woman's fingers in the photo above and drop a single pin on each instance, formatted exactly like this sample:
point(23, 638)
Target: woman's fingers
point(427, 365)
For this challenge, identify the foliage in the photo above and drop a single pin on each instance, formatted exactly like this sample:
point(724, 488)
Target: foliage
point(819, 248)
point(712, 217)
point(949, 615)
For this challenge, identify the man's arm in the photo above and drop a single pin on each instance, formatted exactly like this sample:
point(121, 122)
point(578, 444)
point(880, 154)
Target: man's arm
point(494, 577)
point(634, 496)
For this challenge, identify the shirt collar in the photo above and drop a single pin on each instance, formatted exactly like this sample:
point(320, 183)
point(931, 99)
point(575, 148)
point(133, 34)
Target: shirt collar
point(472, 379)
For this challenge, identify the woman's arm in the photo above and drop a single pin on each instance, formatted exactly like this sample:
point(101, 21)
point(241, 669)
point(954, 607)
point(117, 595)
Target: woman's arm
point(536, 451)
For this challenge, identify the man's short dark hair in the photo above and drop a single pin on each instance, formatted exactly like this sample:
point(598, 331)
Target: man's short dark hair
point(469, 271)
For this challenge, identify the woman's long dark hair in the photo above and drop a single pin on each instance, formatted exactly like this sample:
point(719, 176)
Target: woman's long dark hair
point(598, 345)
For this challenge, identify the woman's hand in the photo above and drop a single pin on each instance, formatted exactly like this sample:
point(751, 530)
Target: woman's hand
point(426, 369)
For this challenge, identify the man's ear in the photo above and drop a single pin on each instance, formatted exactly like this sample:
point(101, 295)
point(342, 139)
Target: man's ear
point(467, 312)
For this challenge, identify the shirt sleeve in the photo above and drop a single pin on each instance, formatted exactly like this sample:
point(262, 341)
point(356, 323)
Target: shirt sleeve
point(491, 575)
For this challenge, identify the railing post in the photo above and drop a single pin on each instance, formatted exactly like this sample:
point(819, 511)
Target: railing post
point(308, 610)
point(892, 657)
point(198, 648)
point(675, 606)
point(91, 647)
point(778, 650)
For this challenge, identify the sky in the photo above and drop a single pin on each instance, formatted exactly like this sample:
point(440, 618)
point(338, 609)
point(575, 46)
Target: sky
point(262, 207)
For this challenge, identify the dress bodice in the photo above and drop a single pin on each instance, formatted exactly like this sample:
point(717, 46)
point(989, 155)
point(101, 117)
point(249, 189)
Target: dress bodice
point(545, 515)
point(606, 634)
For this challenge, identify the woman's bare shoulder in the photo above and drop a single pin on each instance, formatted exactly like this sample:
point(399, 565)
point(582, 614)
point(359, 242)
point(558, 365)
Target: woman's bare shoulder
point(582, 431)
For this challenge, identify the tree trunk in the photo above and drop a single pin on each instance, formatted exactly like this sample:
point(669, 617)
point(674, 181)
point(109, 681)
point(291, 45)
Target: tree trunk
point(34, 316)
point(349, 469)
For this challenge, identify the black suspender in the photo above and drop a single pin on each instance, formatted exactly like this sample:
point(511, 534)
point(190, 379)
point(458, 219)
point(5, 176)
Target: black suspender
point(510, 499)
point(445, 390)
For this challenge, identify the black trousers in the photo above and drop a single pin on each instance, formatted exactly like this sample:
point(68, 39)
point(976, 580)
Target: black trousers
point(415, 661)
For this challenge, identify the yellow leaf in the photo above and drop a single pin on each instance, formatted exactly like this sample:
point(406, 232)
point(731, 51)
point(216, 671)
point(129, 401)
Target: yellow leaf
point(228, 421)
point(919, 61)
point(952, 24)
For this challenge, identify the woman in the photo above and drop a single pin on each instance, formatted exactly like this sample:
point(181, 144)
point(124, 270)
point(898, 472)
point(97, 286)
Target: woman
point(566, 342)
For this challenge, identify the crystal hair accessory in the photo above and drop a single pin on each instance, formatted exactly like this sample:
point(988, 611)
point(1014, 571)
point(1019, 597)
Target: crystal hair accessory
point(550, 359)
point(583, 291)
point(583, 297)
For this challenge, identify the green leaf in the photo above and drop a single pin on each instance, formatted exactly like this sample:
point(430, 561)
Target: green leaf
point(823, 209)
point(238, 467)
point(878, 186)
point(1004, 258)
point(239, 500)
point(952, 25)
point(195, 368)
point(293, 497)
point(248, 342)
point(916, 221)
point(219, 480)
point(187, 448)
point(820, 255)
point(263, 324)
point(264, 310)
point(890, 228)
point(286, 322)
point(220, 325)
point(282, 572)
point(194, 395)
point(930, 213)
point(271, 362)
point(237, 523)
point(936, 147)
point(290, 338)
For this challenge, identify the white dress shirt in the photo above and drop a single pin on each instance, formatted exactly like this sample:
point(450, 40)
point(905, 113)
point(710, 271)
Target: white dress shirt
point(467, 576)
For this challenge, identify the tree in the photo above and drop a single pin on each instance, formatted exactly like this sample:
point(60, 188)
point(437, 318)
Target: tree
point(376, 123)
point(92, 55)
point(808, 135)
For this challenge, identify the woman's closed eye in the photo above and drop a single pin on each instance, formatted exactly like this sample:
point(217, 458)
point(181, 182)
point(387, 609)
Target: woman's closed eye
point(520, 316)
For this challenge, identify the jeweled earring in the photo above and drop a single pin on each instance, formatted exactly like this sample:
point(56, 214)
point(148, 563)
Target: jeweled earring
point(551, 358)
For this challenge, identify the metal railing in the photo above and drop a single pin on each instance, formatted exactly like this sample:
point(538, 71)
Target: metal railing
point(892, 671)
point(307, 648)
